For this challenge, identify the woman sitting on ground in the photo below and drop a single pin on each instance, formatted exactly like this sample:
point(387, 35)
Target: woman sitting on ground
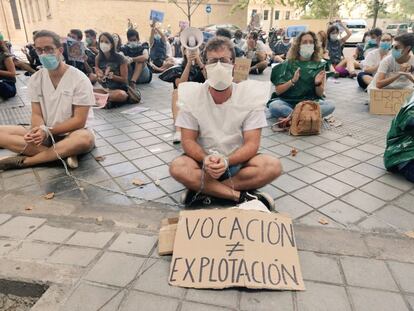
point(7, 72)
point(343, 66)
point(191, 69)
point(111, 69)
point(371, 63)
point(399, 153)
point(323, 41)
point(301, 77)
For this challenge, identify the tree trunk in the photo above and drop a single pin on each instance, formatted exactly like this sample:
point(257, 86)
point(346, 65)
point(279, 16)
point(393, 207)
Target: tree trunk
point(189, 12)
point(375, 9)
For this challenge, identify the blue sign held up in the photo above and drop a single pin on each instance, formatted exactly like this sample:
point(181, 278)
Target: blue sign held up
point(157, 16)
point(208, 8)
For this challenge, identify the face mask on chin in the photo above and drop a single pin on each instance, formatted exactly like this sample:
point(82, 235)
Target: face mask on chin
point(219, 75)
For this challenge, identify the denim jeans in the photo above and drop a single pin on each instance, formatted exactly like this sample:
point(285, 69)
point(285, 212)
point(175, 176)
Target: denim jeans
point(280, 109)
point(408, 171)
point(7, 89)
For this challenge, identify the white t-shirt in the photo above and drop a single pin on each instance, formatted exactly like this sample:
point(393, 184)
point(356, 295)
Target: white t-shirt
point(373, 59)
point(74, 89)
point(260, 47)
point(221, 127)
point(389, 66)
point(240, 44)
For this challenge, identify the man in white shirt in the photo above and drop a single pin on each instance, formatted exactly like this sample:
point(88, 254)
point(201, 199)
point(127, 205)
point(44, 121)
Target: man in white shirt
point(396, 70)
point(61, 98)
point(221, 125)
point(256, 50)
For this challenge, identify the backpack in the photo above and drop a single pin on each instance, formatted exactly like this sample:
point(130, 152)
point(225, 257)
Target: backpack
point(306, 119)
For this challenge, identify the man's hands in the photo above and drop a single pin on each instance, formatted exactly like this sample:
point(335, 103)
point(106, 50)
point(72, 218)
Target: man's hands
point(215, 166)
point(408, 75)
point(36, 136)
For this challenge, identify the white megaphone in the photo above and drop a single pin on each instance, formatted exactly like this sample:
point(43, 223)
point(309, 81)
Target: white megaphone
point(191, 39)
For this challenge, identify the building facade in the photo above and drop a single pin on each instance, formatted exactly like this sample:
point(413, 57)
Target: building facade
point(20, 18)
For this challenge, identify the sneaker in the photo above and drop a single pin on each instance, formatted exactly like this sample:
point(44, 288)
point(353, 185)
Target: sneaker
point(11, 163)
point(263, 197)
point(72, 162)
point(188, 197)
point(177, 137)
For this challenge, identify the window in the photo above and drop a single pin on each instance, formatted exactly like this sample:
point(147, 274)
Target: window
point(277, 15)
point(287, 14)
point(48, 12)
point(39, 16)
point(15, 14)
point(266, 15)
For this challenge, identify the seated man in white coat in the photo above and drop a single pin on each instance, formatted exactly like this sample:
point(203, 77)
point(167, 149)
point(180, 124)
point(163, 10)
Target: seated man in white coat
point(221, 126)
point(61, 98)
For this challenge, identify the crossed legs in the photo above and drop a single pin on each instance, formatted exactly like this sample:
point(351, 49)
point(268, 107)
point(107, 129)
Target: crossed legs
point(256, 173)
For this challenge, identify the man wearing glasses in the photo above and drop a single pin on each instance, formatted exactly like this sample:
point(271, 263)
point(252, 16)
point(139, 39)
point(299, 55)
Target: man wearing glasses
point(221, 125)
point(61, 97)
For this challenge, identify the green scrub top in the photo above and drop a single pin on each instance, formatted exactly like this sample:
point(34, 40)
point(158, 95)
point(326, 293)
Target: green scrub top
point(304, 89)
point(400, 141)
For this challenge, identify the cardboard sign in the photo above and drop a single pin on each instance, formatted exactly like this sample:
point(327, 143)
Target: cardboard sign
point(235, 248)
point(387, 101)
point(157, 16)
point(101, 99)
point(76, 51)
point(241, 69)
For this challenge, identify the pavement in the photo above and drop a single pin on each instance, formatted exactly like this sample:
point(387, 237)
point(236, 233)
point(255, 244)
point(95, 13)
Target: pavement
point(97, 250)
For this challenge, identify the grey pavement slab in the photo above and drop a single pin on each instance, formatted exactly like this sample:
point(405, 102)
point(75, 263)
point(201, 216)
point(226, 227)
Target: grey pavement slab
point(333, 186)
point(115, 269)
point(20, 226)
point(366, 272)
point(313, 196)
point(75, 256)
point(225, 298)
point(375, 300)
point(404, 275)
point(7, 245)
point(396, 217)
point(51, 234)
point(391, 248)
point(406, 201)
point(137, 301)
point(4, 218)
point(91, 239)
point(266, 301)
point(88, 297)
point(381, 191)
point(323, 297)
point(33, 250)
point(133, 243)
point(307, 175)
point(363, 201)
point(291, 206)
point(342, 212)
point(190, 306)
point(318, 267)
point(154, 279)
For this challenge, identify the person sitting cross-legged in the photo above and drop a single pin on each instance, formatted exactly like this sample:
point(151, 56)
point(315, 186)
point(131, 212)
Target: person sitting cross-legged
point(221, 125)
point(61, 97)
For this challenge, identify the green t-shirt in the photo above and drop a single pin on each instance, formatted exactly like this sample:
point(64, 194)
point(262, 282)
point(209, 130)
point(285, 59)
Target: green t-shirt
point(400, 140)
point(304, 89)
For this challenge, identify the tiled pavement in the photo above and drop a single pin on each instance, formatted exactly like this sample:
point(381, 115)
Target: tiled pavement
point(337, 175)
point(97, 250)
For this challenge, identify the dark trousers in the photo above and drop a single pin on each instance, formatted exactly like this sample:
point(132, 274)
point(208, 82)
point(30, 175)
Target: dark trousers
point(7, 89)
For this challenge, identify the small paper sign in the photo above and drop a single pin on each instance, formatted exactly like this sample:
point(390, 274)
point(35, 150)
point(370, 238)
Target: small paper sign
point(183, 25)
point(241, 69)
point(235, 248)
point(101, 99)
point(157, 16)
point(387, 101)
point(75, 50)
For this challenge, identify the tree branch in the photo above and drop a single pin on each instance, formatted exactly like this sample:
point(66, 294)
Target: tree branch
point(176, 3)
point(198, 4)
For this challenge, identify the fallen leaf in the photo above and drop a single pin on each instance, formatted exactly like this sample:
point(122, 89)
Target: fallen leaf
point(99, 158)
point(410, 234)
point(323, 221)
point(49, 196)
point(29, 208)
point(294, 152)
point(137, 182)
point(157, 182)
point(99, 220)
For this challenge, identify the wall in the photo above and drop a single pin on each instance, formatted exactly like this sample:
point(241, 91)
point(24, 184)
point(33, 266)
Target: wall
point(112, 15)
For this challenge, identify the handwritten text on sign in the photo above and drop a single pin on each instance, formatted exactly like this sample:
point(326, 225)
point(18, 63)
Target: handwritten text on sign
point(224, 248)
point(388, 101)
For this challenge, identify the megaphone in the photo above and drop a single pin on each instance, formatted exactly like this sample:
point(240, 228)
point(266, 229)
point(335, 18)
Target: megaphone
point(191, 39)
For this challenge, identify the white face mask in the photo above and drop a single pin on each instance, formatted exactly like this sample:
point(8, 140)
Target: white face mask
point(105, 47)
point(219, 75)
point(306, 50)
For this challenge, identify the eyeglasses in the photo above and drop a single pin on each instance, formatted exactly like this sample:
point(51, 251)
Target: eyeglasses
point(46, 50)
point(221, 60)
